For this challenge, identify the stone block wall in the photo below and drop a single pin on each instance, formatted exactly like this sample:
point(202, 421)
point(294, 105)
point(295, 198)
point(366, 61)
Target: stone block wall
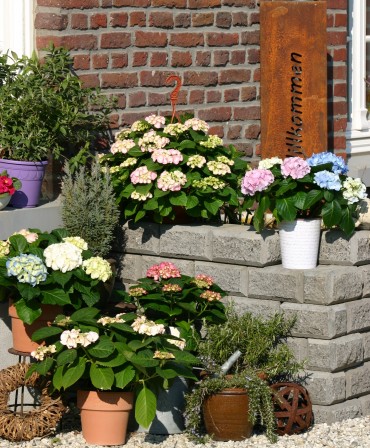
point(331, 302)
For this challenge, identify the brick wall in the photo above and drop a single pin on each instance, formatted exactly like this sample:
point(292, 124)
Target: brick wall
point(129, 47)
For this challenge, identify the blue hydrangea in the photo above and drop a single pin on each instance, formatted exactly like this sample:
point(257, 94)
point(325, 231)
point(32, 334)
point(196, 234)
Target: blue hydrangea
point(326, 179)
point(27, 268)
point(339, 165)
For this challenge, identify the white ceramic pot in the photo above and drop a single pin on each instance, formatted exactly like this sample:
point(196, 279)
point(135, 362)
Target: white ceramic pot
point(4, 201)
point(299, 243)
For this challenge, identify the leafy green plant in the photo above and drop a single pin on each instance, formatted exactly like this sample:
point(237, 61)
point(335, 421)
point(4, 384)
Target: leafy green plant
point(261, 341)
point(45, 109)
point(127, 352)
point(52, 269)
point(293, 188)
point(157, 167)
point(176, 300)
point(261, 407)
point(89, 207)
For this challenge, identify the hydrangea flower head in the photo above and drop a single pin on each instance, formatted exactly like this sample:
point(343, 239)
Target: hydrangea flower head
point(171, 180)
point(31, 237)
point(122, 146)
point(28, 268)
point(97, 268)
point(63, 257)
point(142, 175)
point(197, 125)
point(328, 180)
point(164, 270)
point(354, 190)
point(266, 164)
point(339, 164)
point(156, 120)
point(256, 180)
point(295, 167)
point(79, 242)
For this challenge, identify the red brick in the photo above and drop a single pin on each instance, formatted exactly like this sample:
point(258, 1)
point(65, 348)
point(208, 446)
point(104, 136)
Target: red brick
point(339, 143)
point(161, 19)
point(121, 100)
point(159, 59)
point(340, 54)
point(193, 78)
point(217, 130)
point(340, 90)
point(70, 4)
point(115, 40)
point(90, 81)
point(231, 95)
point(254, 18)
point(158, 99)
point(138, 18)
point(339, 124)
point(106, 3)
point(237, 57)
point(215, 114)
point(169, 3)
point(118, 19)
point(246, 149)
point(248, 93)
point(129, 118)
point(247, 113)
point(196, 97)
point(50, 21)
point(98, 21)
point(337, 37)
point(181, 59)
point(233, 133)
point(340, 20)
point(137, 99)
point(253, 56)
point(222, 39)
point(80, 42)
point(81, 62)
point(150, 39)
point(79, 21)
point(182, 20)
point(250, 37)
point(340, 72)
point(252, 131)
point(202, 19)
point(213, 96)
point(240, 18)
point(223, 19)
point(43, 42)
point(119, 60)
point(120, 80)
point(135, 3)
point(220, 58)
point(257, 75)
point(139, 59)
point(114, 121)
point(339, 107)
point(243, 3)
point(337, 4)
point(152, 78)
point(203, 58)
point(229, 76)
point(330, 20)
point(187, 40)
point(100, 61)
point(199, 4)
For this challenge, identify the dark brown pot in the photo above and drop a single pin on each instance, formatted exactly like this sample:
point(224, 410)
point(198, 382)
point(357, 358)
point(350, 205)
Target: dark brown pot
point(226, 415)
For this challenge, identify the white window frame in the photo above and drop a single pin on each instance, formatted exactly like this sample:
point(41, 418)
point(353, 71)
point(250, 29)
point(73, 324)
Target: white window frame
point(16, 26)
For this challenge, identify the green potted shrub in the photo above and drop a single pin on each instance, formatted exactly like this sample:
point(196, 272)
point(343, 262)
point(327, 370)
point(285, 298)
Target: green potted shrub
point(44, 109)
point(53, 270)
point(97, 355)
point(159, 168)
point(240, 358)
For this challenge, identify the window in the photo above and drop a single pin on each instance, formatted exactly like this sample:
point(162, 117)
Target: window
point(16, 26)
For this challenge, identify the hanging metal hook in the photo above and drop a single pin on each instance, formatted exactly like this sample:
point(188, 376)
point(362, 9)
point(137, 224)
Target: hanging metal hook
point(175, 93)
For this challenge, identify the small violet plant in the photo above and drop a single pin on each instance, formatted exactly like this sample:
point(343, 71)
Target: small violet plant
point(318, 187)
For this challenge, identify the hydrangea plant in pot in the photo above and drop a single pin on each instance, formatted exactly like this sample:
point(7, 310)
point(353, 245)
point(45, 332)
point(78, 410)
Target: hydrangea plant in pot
point(158, 167)
point(42, 269)
point(301, 193)
point(127, 354)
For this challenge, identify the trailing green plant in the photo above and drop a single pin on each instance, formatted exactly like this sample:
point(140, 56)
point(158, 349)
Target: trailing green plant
point(45, 108)
point(89, 206)
point(261, 407)
point(261, 341)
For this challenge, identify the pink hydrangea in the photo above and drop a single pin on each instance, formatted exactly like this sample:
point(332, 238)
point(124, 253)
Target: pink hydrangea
point(165, 156)
point(256, 180)
point(142, 175)
point(295, 167)
point(164, 270)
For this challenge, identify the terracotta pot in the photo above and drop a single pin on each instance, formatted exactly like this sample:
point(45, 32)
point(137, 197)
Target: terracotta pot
point(226, 415)
point(104, 416)
point(22, 332)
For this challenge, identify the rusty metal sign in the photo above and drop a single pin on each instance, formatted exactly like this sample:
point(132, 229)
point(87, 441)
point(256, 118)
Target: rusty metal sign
point(293, 78)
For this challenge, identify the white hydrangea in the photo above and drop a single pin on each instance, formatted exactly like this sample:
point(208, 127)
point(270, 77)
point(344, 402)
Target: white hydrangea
point(180, 343)
point(354, 190)
point(156, 120)
point(128, 162)
point(73, 338)
point(144, 326)
point(212, 142)
point(122, 146)
point(218, 168)
point(79, 242)
point(97, 268)
point(43, 350)
point(196, 161)
point(140, 196)
point(266, 164)
point(63, 257)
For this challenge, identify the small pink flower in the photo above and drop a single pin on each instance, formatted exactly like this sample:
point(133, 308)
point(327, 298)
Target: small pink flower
point(295, 167)
point(256, 180)
point(164, 270)
point(210, 296)
point(142, 175)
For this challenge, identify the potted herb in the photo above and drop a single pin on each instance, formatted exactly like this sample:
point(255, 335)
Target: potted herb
point(44, 109)
point(39, 269)
point(300, 193)
point(253, 352)
point(8, 186)
point(159, 167)
point(100, 355)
